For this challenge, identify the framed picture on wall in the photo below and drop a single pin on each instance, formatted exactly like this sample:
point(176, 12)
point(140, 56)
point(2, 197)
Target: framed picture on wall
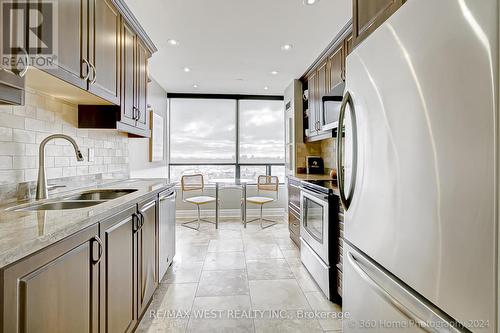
point(156, 141)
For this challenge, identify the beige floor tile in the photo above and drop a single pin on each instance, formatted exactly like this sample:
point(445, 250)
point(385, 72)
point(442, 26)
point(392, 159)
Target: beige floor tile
point(264, 251)
point(174, 296)
point(225, 314)
point(293, 262)
point(183, 272)
point(304, 279)
point(329, 310)
point(287, 326)
point(191, 252)
point(285, 243)
point(225, 245)
point(215, 261)
point(277, 295)
point(223, 283)
point(268, 269)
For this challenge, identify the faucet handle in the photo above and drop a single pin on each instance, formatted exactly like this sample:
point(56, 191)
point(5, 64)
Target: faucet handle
point(53, 187)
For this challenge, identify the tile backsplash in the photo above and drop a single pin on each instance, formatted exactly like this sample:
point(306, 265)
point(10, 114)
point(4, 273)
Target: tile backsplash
point(22, 128)
point(324, 148)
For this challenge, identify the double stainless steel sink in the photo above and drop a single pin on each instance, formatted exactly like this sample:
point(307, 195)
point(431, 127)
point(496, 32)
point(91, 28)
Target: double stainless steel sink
point(80, 200)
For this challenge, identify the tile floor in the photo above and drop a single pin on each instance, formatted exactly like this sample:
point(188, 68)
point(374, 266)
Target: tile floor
point(238, 280)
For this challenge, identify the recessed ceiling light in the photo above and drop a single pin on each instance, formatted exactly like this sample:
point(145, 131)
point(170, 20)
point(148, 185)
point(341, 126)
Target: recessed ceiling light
point(173, 42)
point(286, 47)
point(266, 88)
point(310, 2)
point(274, 72)
point(195, 86)
point(187, 69)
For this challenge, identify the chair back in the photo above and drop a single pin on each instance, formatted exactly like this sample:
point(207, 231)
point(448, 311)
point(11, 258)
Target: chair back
point(268, 184)
point(192, 183)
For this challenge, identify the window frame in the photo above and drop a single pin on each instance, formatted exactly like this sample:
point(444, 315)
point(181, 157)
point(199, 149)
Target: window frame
point(237, 99)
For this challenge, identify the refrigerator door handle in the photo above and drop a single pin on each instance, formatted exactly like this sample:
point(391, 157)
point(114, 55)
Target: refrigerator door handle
point(365, 268)
point(346, 200)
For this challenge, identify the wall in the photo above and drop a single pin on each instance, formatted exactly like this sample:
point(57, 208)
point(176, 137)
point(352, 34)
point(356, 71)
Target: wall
point(22, 128)
point(140, 166)
point(324, 148)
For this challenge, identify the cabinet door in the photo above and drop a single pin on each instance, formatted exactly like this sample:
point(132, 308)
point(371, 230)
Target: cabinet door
point(105, 51)
point(336, 61)
point(118, 283)
point(11, 84)
point(128, 76)
point(323, 88)
point(72, 43)
point(147, 247)
point(56, 289)
point(142, 86)
point(312, 104)
point(369, 14)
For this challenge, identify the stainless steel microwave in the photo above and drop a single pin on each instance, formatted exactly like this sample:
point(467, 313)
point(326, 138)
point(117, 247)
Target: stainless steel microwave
point(331, 107)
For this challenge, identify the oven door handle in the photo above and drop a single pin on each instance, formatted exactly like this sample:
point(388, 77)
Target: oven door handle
point(315, 194)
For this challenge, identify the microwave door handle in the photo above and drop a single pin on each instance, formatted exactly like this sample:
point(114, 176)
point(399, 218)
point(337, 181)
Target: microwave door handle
point(346, 199)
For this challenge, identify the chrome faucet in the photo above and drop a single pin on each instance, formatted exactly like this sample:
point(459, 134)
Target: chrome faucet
point(41, 188)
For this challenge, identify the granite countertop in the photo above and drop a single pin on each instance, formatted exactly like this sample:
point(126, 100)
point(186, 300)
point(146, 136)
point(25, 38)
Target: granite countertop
point(25, 232)
point(307, 176)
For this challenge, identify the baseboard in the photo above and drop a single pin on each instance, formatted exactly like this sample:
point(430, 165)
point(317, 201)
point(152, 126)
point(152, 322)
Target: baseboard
point(230, 212)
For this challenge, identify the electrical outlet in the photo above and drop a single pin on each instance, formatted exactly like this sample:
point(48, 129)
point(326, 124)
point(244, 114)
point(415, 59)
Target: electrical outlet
point(91, 155)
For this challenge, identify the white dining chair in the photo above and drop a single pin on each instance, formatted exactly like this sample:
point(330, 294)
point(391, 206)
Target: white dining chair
point(264, 184)
point(191, 183)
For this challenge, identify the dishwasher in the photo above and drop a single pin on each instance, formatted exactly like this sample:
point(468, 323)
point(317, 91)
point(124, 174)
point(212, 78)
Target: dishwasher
point(166, 226)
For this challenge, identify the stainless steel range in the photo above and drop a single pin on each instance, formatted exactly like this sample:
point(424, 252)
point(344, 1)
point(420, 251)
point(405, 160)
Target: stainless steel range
point(319, 234)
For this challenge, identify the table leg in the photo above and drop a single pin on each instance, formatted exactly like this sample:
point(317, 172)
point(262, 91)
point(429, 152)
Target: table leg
point(244, 205)
point(216, 205)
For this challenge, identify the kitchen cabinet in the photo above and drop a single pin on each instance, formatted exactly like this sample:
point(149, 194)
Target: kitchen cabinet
point(368, 15)
point(312, 105)
point(12, 80)
point(55, 289)
point(141, 86)
point(147, 248)
point(104, 51)
point(294, 210)
point(129, 41)
point(119, 271)
point(336, 67)
point(72, 63)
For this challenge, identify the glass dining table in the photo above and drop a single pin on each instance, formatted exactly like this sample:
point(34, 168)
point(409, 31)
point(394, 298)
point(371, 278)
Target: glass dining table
point(231, 183)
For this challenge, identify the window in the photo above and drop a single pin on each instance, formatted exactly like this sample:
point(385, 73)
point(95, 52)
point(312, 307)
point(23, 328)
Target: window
point(226, 138)
point(261, 132)
point(202, 131)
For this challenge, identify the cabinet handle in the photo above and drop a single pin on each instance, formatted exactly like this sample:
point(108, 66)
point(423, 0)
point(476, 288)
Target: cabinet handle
point(134, 113)
point(94, 75)
point(25, 70)
point(135, 223)
point(86, 78)
point(138, 114)
point(142, 220)
point(98, 240)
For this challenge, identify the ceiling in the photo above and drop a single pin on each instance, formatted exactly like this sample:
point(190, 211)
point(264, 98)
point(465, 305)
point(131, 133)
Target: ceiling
point(232, 46)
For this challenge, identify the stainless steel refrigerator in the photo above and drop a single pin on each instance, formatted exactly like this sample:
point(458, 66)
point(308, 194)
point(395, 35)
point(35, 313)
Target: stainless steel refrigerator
point(420, 180)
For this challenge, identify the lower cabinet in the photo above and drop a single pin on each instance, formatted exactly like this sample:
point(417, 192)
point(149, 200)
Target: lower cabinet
point(118, 272)
point(147, 247)
point(100, 279)
point(55, 290)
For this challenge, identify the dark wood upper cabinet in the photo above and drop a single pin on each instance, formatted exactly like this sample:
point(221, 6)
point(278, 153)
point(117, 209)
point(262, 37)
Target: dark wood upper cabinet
point(370, 14)
point(72, 52)
point(129, 41)
point(56, 289)
point(104, 51)
point(147, 254)
point(119, 271)
point(336, 67)
point(142, 86)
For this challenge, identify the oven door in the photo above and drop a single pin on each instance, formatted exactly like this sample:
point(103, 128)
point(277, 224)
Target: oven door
point(314, 222)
